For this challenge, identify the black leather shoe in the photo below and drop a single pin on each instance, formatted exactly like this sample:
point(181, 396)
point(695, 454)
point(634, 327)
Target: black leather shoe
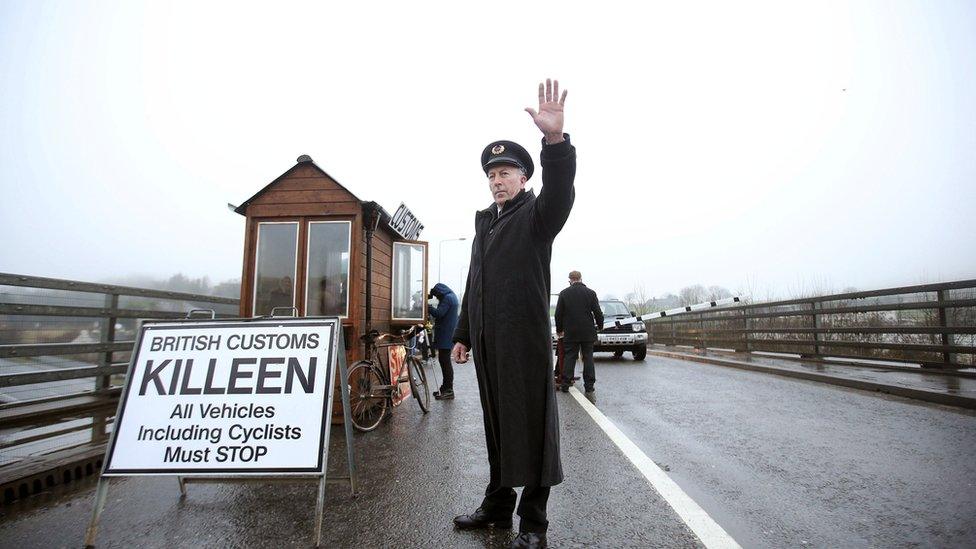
point(564, 388)
point(590, 389)
point(444, 395)
point(481, 519)
point(529, 539)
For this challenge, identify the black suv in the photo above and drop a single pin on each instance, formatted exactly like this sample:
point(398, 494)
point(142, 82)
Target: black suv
point(627, 337)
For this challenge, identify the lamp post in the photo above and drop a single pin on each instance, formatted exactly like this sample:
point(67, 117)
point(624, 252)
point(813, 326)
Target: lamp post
point(440, 248)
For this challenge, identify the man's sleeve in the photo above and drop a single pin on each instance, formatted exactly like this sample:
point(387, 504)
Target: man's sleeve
point(461, 332)
point(441, 310)
point(559, 313)
point(557, 195)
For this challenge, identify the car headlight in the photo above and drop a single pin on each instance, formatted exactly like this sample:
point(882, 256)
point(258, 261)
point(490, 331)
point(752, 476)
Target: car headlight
point(638, 326)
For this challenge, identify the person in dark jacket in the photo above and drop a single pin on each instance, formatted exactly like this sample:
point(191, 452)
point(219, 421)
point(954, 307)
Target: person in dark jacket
point(446, 318)
point(578, 318)
point(504, 323)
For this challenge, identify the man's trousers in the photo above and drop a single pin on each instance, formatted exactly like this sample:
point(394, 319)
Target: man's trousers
point(447, 369)
point(573, 349)
point(500, 502)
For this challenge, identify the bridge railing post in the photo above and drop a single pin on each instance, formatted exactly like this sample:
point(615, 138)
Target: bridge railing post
point(701, 326)
point(105, 381)
point(947, 338)
point(816, 326)
point(745, 335)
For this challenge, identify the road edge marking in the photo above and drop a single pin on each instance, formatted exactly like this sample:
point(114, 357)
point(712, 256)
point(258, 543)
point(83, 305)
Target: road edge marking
point(701, 524)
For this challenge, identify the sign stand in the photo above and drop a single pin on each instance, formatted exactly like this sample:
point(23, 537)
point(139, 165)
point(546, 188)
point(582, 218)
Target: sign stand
point(101, 490)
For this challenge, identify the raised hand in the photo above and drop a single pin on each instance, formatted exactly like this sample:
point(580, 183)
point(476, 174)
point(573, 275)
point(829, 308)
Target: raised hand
point(549, 118)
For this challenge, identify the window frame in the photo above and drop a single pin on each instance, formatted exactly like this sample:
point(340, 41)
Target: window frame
point(393, 272)
point(308, 250)
point(257, 258)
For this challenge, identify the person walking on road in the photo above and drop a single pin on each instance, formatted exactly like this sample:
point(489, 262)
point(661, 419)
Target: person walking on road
point(578, 319)
point(505, 323)
point(446, 320)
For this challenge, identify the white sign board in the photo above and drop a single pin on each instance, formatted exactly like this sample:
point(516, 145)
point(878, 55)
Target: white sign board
point(212, 398)
point(405, 224)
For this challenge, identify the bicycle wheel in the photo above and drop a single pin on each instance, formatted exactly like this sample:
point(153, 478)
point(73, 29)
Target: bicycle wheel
point(367, 402)
point(418, 382)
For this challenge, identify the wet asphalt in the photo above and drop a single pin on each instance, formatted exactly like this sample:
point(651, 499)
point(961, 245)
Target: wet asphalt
point(417, 472)
point(777, 462)
point(781, 462)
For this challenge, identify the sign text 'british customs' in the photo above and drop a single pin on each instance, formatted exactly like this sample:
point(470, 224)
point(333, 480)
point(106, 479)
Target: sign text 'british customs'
point(226, 398)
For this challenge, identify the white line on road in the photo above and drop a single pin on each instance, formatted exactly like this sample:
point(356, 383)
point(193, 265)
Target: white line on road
point(708, 531)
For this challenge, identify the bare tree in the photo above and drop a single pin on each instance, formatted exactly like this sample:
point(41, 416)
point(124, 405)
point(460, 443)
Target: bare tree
point(690, 295)
point(754, 291)
point(814, 287)
point(637, 300)
point(718, 292)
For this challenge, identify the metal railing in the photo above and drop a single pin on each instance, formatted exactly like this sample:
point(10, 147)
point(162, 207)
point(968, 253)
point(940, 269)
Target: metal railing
point(933, 325)
point(64, 349)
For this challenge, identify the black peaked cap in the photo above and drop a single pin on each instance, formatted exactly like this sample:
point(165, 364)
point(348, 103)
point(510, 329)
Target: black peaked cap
point(507, 152)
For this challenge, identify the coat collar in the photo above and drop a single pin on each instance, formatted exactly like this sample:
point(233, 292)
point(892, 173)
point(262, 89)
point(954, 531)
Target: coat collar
point(511, 205)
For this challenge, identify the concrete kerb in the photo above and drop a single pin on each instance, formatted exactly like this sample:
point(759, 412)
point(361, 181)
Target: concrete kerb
point(906, 392)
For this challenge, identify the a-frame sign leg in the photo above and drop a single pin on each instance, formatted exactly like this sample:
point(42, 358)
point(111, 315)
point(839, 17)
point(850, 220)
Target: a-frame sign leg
point(350, 453)
point(347, 415)
point(319, 510)
point(101, 494)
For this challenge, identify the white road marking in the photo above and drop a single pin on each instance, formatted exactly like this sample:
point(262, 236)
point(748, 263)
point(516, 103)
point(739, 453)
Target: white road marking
point(708, 531)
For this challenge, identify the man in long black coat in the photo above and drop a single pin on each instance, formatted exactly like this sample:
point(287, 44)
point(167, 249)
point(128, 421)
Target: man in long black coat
point(505, 323)
point(578, 315)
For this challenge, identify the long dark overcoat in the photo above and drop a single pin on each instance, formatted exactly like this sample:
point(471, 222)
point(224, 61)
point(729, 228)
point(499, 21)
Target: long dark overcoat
point(578, 313)
point(505, 321)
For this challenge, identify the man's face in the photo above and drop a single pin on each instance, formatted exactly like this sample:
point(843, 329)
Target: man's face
point(505, 182)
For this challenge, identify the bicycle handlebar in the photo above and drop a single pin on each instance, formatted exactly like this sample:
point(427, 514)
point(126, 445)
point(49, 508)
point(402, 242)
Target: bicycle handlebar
point(375, 337)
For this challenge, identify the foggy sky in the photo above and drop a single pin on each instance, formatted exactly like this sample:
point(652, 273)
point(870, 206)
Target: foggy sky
point(767, 147)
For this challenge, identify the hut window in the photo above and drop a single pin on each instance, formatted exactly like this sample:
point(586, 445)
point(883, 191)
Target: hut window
point(409, 284)
point(327, 290)
point(275, 266)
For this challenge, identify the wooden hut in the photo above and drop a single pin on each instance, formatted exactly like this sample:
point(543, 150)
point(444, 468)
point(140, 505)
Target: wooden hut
point(312, 244)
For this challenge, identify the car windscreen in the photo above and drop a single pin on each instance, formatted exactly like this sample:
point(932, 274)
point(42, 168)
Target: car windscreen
point(612, 308)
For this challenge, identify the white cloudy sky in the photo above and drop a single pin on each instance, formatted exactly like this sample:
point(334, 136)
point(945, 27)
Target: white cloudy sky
point(774, 145)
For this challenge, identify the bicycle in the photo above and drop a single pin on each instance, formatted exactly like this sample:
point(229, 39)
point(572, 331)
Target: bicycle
point(371, 392)
point(426, 351)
